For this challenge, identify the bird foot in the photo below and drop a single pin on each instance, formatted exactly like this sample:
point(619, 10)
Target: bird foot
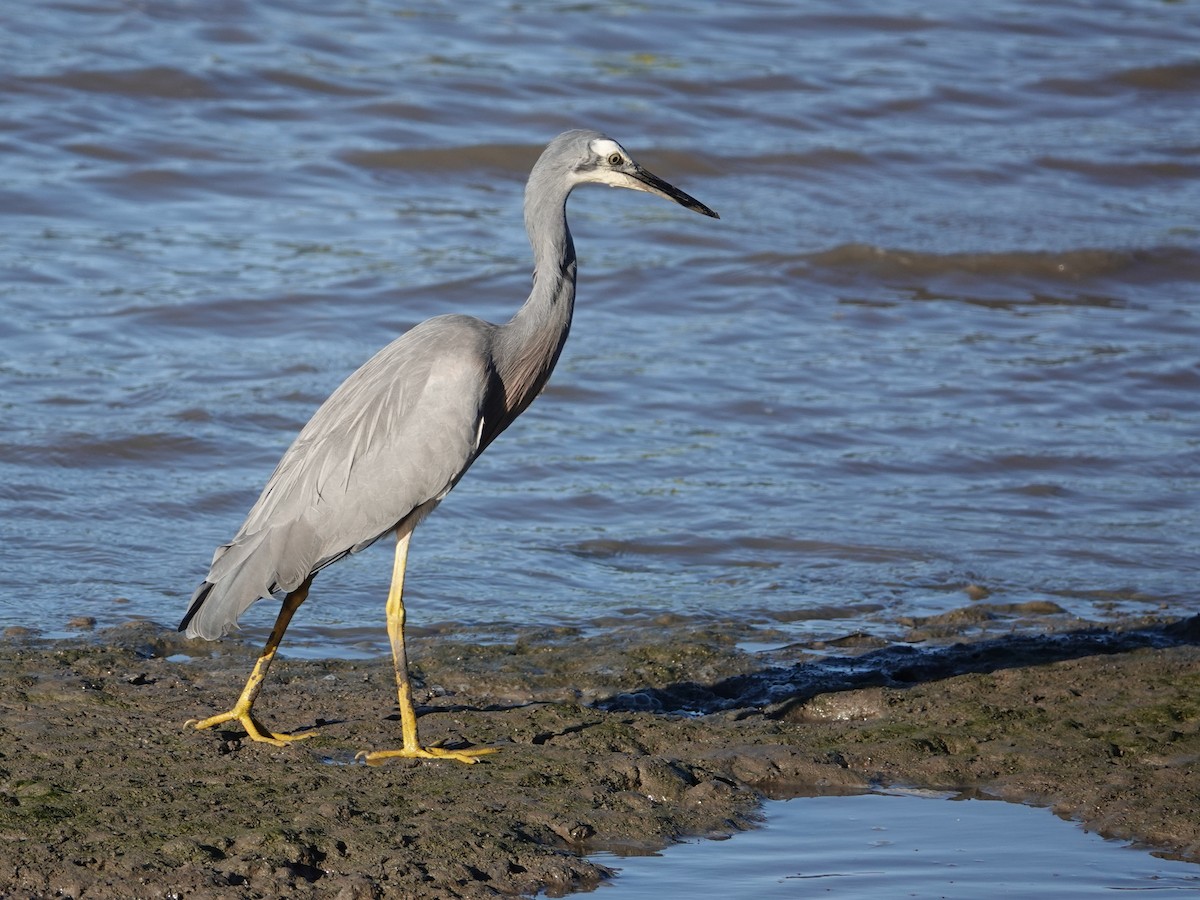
point(254, 729)
point(469, 756)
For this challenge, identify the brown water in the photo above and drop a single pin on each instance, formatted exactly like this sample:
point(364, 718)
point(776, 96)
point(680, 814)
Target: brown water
point(944, 334)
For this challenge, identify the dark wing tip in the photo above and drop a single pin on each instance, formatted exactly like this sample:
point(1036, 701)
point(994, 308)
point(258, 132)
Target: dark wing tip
point(198, 599)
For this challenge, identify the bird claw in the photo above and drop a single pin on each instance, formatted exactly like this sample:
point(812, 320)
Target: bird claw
point(254, 729)
point(468, 756)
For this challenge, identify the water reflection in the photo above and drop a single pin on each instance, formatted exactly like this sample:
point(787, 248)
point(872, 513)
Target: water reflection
point(900, 844)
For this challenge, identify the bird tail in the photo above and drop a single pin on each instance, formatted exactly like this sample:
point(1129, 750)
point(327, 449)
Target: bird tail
point(198, 598)
point(236, 579)
point(249, 568)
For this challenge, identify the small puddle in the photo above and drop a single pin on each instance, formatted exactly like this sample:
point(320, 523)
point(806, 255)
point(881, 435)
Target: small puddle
point(899, 844)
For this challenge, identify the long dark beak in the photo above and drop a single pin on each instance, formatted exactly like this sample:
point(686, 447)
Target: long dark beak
point(656, 185)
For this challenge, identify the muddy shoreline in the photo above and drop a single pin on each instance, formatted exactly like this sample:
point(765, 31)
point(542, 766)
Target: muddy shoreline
point(627, 739)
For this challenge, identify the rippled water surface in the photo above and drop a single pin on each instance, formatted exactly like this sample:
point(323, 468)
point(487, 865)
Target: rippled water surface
point(945, 333)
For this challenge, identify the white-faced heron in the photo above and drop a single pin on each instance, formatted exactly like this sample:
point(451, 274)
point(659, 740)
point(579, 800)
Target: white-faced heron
point(399, 433)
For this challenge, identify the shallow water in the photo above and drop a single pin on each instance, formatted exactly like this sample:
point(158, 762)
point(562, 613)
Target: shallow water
point(944, 334)
point(900, 845)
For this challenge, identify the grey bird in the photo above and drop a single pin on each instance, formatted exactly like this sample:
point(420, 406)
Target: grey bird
point(399, 433)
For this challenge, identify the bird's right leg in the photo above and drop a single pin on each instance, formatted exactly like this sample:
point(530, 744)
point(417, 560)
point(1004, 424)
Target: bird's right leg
point(413, 748)
point(241, 710)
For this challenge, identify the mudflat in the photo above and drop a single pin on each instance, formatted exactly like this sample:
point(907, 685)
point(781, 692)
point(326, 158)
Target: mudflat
point(625, 739)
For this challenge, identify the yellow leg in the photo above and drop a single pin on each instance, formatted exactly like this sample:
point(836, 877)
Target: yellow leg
point(241, 710)
point(412, 748)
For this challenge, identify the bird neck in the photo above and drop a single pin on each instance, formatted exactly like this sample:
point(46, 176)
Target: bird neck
point(528, 346)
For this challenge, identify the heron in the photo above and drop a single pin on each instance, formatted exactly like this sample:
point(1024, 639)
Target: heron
point(391, 442)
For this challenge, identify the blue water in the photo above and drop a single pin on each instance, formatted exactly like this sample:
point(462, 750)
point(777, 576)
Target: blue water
point(900, 845)
point(945, 332)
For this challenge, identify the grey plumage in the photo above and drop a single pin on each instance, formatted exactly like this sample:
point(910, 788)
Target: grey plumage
point(400, 432)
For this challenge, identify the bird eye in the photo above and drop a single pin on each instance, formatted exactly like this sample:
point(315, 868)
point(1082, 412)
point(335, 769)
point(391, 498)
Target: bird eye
point(614, 159)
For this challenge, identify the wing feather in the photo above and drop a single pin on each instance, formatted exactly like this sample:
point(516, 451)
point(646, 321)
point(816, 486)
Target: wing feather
point(381, 452)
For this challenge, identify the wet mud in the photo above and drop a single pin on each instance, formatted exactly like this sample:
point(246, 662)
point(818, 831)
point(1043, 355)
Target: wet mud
point(623, 740)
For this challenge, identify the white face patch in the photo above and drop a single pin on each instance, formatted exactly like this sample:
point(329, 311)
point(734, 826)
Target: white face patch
point(603, 173)
point(605, 148)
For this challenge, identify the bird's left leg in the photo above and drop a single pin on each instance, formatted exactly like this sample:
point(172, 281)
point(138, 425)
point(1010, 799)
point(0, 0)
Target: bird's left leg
point(241, 710)
point(412, 748)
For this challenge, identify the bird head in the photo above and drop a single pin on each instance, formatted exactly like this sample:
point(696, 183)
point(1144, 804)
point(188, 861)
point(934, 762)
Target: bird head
point(609, 163)
point(595, 158)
